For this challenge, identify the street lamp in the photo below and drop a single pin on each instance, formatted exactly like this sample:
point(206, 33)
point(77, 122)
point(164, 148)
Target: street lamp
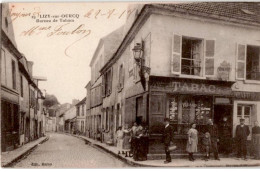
point(139, 59)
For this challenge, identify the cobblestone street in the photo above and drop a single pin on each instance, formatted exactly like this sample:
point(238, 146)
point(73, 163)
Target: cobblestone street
point(63, 151)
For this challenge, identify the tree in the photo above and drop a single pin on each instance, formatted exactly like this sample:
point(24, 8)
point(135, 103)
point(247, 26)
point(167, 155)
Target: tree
point(50, 100)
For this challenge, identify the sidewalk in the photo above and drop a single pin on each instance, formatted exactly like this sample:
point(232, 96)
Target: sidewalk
point(7, 158)
point(224, 162)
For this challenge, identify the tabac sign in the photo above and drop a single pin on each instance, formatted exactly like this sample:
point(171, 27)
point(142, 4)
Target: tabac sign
point(188, 87)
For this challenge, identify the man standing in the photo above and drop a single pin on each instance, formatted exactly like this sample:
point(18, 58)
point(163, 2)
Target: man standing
point(167, 138)
point(213, 131)
point(242, 132)
point(225, 136)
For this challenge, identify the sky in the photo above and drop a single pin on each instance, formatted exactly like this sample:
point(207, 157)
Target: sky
point(62, 50)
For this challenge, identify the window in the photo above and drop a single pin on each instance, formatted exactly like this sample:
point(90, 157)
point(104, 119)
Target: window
point(83, 110)
point(22, 123)
point(107, 119)
point(191, 58)
point(107, 83)
point(188, 56)
point(6, 23)
point(121, 78)
point(253, 63)
point(244, 111)
point(21, 85)
point(32, 98)
point(248, 62)
point(77, 111)
point(14, 74)
point(3, 69)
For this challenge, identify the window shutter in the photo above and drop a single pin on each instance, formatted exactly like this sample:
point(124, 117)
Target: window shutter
point(176, 54)
point(209, 57)
point(103, 86)
point(110, 81)
point(123, 77)
point(241, 62)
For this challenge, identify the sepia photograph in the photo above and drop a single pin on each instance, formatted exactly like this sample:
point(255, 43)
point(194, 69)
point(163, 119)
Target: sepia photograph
point(130, 84)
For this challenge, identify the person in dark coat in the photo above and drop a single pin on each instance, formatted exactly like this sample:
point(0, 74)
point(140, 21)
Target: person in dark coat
point(256, 140)
point(242, 132)
point(167, 138)
point(213, 131)
point(225, 136)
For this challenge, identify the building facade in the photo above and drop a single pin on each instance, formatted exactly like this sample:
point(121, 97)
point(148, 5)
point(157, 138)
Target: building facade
point(201, 65)
point(81, 117)
point(19, 93)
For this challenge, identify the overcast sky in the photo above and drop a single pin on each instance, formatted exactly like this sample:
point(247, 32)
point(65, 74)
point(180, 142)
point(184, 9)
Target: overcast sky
point(64, 59)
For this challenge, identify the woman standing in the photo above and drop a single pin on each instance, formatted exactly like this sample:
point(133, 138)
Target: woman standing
point(192, 142)
point(256, 140)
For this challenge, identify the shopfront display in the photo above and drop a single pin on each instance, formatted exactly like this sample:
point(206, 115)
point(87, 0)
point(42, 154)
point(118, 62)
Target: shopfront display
point(184, 102)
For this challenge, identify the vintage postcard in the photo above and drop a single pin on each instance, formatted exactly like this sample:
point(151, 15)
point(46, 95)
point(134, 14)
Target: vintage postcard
point(130, 84)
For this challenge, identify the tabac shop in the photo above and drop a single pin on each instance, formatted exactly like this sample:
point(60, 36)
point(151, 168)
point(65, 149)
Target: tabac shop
point(187, 101)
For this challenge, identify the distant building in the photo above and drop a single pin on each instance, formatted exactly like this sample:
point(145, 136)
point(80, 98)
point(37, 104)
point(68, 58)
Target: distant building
point(81, 116)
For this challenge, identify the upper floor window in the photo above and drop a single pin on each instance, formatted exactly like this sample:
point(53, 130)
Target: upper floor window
point(192, 56)
point(14, 74)
point(107, 82)
point(248, 62)
point(253, 63)
point(21, 85)
point(77, 111)
point(121, 73)
point(3, 67)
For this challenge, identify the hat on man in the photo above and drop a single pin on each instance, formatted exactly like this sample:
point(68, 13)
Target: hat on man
point(242, 119)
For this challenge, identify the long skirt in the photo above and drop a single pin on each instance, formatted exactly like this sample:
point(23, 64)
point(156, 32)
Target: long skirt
point(120, 144)
point(256, 145)
point(193, 147)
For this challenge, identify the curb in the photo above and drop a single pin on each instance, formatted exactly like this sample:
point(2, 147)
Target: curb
point(136, 164)
point(26, 153)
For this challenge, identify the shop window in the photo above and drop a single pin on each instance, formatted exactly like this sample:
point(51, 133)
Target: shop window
point(173, 110)
point(244, 111)
point(184, 110)
point(191, 58)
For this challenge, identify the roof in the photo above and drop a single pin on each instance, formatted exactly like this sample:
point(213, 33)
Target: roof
point(82, 101)
point(246, 11)
point(111, 42)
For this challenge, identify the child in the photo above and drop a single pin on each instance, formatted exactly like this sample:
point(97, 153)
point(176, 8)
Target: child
point(206, 142)
point(120, 139)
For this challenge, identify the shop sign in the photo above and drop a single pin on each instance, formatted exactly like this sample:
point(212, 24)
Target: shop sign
point(224, 70)
point(184, 87)
point(255, 96)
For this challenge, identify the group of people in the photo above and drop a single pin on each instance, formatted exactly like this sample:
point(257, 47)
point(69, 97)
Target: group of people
point(212, 137)
point(136, 135)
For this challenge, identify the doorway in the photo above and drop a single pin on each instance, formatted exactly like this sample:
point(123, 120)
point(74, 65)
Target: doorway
point(224, 128)
point(221, 111)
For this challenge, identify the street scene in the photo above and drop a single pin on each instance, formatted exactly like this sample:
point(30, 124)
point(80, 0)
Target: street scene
point(60, 151)
point(126, 85)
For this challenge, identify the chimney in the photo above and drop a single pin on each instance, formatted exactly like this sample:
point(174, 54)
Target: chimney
point(30, 67)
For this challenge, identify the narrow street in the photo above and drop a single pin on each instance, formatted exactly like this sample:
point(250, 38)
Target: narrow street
point(63, 151)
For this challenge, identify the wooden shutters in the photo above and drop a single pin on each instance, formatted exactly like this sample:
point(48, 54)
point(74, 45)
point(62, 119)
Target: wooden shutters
point(241, 62)
point(176, 54)
point(209, 57)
